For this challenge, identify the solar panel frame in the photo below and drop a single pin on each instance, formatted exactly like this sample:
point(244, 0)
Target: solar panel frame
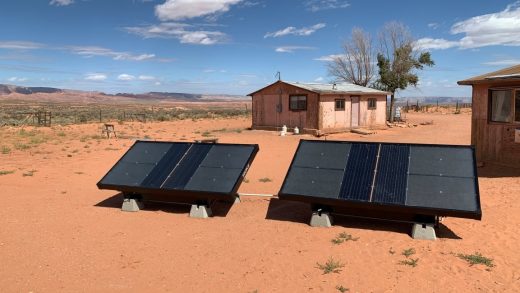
point(384, 206)
point(180, 195)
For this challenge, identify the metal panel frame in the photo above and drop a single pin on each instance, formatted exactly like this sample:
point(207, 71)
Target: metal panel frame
point(174, 195)
point(384, 207)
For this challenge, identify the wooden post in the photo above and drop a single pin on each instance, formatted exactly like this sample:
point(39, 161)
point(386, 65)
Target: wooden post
point(99, 115)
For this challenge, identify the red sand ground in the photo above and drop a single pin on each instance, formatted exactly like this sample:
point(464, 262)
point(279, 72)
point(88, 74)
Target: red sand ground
point(60, 233)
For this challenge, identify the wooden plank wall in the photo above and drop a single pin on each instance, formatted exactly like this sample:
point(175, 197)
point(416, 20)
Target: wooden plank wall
point(494, 142)
point(264, 108)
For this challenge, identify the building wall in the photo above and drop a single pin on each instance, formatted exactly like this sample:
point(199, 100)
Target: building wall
point(332, 119)
point(265, 113)
point(494, 142)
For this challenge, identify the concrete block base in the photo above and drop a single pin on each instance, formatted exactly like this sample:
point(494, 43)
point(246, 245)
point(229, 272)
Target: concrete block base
point(321, 219)
point(237, 199)
point(200, 211)
point(132, 205)
point(423, 231)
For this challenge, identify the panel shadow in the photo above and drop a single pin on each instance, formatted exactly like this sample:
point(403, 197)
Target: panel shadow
point(288, 211)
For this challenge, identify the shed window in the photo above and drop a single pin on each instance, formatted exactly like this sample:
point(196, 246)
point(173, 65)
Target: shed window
point(517, 106)
point(500, 105)
point(372, 103)
point(340, 105)
point(297, 103)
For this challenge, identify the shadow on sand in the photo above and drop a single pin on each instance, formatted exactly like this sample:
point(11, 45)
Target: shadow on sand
point(220, 209)
point(497, 171)
point(289, 211)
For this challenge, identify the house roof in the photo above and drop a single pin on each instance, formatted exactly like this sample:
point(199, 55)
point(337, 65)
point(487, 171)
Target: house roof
point(329, 88)
point(506, 74)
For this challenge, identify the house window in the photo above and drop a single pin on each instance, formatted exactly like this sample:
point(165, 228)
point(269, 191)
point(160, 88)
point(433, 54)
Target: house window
point(372, 103)
point(500, 105)
point(339, 105)
point(517, 106)
point(298, 103)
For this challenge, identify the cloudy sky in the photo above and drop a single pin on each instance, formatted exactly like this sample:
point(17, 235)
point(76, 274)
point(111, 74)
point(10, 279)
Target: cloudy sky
point(237, 46)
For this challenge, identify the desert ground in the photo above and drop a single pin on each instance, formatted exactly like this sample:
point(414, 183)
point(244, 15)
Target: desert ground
point(60, 233)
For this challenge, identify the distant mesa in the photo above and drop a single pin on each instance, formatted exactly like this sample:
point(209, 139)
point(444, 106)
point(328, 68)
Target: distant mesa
point(49, 94)
point(8, 89)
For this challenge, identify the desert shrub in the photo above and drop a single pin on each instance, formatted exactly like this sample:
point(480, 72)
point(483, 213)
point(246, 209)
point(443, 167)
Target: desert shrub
point(331, 266)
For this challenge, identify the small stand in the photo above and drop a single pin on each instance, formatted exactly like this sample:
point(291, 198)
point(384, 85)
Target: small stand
point(321, 218)
point(132, 205)
point(201, 211)
point(423, 231)
point(237, 200)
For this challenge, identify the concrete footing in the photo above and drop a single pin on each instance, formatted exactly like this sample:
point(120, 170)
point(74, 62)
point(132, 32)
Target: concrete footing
point(200, 211)
point(132, 205)
point(321, 219)
point(237, 199)
point(423, 231)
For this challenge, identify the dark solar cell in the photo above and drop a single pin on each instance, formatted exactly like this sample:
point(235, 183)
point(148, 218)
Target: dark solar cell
point(144, 152)
point(166, 165)
point(391, 176)
point(227, 156)
point(442, 192)
point(357, 181)
point(213, 179)
point(313, 182)
point(314, 154)
point(435, 160)
point(128, 174)
point(187, 167)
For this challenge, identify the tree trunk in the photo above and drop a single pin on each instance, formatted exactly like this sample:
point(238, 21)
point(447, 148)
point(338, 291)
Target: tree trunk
point(392, 101)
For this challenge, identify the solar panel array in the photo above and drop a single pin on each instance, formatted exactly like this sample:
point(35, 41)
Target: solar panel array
point(427, 179)
point(178, 166)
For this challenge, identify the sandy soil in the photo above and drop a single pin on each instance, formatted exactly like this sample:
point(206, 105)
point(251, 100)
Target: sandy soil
point(60, 233)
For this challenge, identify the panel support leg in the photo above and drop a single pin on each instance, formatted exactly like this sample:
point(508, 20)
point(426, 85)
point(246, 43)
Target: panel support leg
point(201, 211)
point(321, 218)
point(132, 205)
point(237, 199)
point(423, 231)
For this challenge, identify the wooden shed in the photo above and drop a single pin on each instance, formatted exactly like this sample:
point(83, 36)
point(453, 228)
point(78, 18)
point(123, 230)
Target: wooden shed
point(495, 123)
point(318, 108)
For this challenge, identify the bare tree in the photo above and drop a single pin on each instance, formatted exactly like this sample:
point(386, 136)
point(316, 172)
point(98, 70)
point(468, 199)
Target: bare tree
point(355, 66)
point(398, 60)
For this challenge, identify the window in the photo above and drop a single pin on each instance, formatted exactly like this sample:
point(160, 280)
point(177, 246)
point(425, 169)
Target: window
point(517, 106)
point(372, 103)
point(298, 103)
point(500, 105)
point(339, 105)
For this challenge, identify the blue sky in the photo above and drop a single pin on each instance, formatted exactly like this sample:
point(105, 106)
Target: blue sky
point(237, 46)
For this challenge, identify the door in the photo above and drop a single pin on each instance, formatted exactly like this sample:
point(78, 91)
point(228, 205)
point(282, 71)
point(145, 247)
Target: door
point(355, 113)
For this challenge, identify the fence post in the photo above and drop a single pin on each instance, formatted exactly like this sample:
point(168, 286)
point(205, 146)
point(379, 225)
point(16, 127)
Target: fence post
point(100, 116)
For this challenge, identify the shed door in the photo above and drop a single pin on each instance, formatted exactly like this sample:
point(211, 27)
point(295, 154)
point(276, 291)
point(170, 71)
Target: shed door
point(355, 113)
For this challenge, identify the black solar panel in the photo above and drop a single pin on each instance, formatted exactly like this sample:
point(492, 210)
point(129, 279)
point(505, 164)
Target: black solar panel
point(421, 179)
point(177, 167)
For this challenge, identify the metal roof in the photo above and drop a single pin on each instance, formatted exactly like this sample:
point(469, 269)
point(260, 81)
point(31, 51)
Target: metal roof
point(330, 88)
point(510, 73)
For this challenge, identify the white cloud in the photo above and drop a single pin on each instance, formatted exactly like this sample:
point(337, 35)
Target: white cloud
point(183, 32)
point(146, 77)
point(328, 58)
point(17, 79)
point(291, 49)
point(494, 29)
point(90, 51)
point(291, 30)
point(504, 62)
point(501, 28)
point(433, 25)
point(20, 45)
point(96, 76)
point(185, 9)
point(319, 79)
point(61, 2)
point(317, 5)
point(157, 83)
point(125, 77)
point(435, 44)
